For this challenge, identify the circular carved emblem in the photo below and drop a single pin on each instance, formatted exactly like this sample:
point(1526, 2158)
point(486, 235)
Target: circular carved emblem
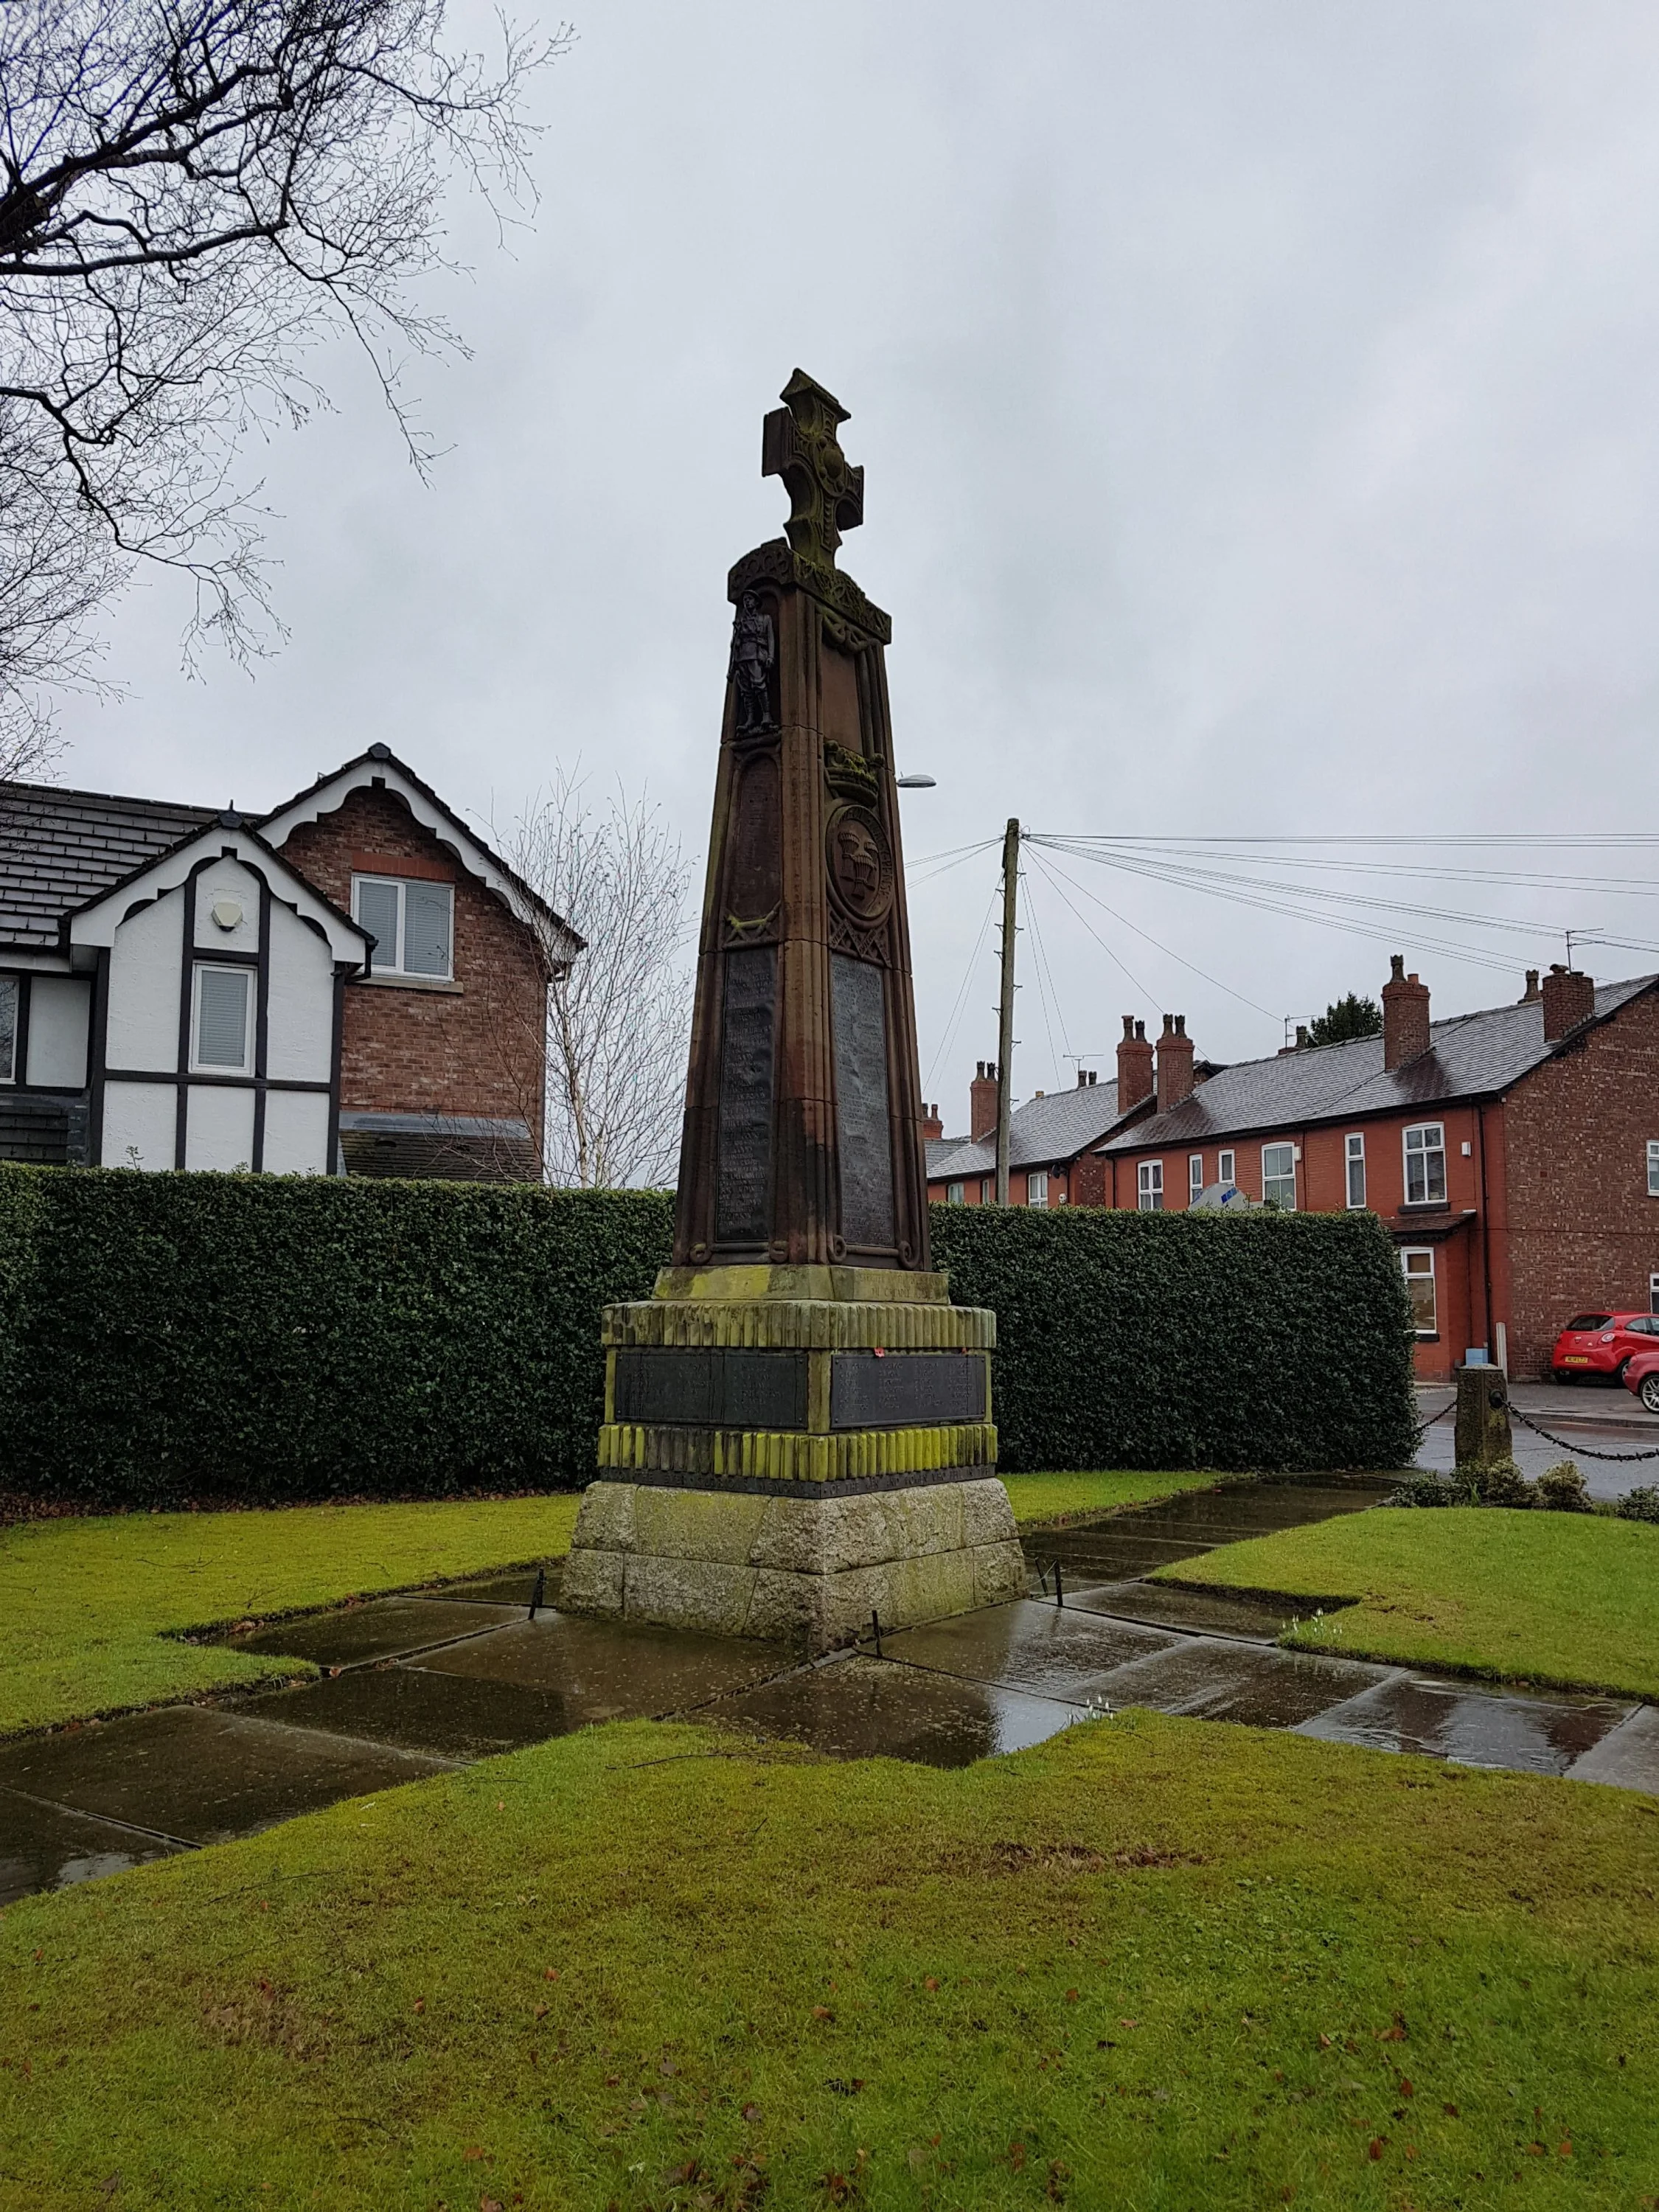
point(861, 864)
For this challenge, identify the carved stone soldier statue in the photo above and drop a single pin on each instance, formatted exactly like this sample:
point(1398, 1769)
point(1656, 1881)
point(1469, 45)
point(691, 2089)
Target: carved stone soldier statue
point(754, 653)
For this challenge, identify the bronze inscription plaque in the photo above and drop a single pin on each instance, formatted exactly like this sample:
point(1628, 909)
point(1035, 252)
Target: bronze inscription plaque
point(858, 1012)
point(744, 1188)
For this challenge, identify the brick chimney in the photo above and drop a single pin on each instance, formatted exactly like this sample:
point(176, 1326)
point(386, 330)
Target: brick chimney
point(931, 1127)
point(1405, 1016)
point(1532, 994)
point(1175, 1063)
point(983, 1102)
point(1135, 1066)
point(1568, 998)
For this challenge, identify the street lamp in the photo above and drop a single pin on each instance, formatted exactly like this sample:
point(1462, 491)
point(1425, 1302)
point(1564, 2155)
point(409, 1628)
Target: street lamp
point(915, 782)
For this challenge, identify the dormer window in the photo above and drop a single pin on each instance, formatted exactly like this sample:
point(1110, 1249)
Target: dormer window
point(412, 922)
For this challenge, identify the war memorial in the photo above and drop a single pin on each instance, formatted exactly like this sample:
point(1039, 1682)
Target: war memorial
point(798, 1430)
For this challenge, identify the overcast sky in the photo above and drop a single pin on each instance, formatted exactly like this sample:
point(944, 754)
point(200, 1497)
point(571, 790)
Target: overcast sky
point(1258, 405)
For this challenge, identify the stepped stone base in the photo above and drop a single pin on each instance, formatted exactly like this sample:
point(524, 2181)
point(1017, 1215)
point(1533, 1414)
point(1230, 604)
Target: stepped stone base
point(806, 1571)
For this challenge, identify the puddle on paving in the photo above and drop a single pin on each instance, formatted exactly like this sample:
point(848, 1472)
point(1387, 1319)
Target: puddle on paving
point(603, 1671)
point(516, 1588)
point(870, 1708)
point(1216, 1613)
point(201, 1773)
point(378, 1630)
point(44, 1847)
point(1476, 1728)
point(1255, 1686)
point(1049, 1650)
point(1627, 1756)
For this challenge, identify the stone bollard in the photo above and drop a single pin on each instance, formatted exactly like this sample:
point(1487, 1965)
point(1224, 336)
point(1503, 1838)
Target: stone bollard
point(1484, 1438)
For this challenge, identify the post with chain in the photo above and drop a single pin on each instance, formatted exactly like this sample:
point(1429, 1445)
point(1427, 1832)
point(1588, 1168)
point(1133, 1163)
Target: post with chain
point(1006, 1005)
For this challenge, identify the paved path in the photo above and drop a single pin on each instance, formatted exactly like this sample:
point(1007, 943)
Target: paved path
point(418, 1684)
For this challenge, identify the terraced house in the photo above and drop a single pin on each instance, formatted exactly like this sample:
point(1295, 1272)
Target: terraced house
point(352, 983)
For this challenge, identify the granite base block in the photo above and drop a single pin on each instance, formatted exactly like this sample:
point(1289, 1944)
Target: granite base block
point(805, 1572)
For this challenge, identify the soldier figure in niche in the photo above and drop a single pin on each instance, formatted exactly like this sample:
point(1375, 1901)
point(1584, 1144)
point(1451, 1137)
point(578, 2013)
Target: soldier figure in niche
point(754, 650)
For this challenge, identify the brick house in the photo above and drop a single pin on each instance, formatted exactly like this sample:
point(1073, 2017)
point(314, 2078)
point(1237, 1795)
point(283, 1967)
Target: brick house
point(1513, 1153)
point(351, 983)
point(1053, 1140)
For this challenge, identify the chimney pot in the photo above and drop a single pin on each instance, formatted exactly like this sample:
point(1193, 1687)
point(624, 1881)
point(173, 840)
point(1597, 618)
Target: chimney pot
point(1532, 992)
point(1568, 1000)
point(1128, 1025)
point(1140, 1031)
point(1405, 1016)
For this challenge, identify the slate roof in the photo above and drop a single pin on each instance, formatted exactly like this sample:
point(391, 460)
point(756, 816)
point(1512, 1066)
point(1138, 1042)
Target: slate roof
point(1471, 1056)
point(1041, 1132)
point(60, 848)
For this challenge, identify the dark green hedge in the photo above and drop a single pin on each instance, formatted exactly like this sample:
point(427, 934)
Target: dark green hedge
point(1189, 1340)
point(265, 1337)
point(168, 1337)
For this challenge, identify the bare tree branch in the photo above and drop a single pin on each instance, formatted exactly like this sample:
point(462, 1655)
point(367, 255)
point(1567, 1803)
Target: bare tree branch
point(619, 1015)
point(193, 194)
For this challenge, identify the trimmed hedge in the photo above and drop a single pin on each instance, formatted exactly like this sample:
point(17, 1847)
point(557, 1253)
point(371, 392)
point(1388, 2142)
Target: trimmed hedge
point(266, 1338)
point(1262, 1340)
point(269, 1338)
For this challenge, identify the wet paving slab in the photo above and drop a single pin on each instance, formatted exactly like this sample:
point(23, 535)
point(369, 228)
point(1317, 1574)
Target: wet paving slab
point(1132, 1543)
point(515, 1587)
point(1255, 1687)
point(1627, 1756)
point(201, 1774)
point(448, 1716)
point(1204, 1612)
point(49, 1847)
point(381, 1628)
point(865, 1708)
point(1052, 1652)
point(602, 1671)
point(1470, 1725)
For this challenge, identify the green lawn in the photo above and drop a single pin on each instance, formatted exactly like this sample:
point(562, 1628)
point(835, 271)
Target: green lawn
point(89, 1609)
point(1567, 1598)
point(1153, 1965)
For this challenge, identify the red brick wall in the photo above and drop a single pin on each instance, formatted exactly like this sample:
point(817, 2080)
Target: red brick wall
point(479, 1050)
point(1581, 1228)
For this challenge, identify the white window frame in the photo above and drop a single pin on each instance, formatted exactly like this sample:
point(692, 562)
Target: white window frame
point(988, 1190)
point(1195, 1176)
point(1037, 1188)
point(1424, 1152)
point(1354, 1157)
point(391, 962)
point(1149, 1187)
point(954, 1194)
point(1291, 1178)
point(1653, 1294)
point(9, 1073)
point(1226, 1169)
point(198, 1065)
point(1653, 1167)
point(1429, 1274)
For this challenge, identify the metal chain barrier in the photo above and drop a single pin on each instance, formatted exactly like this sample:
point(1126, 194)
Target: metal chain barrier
point(1582, 1451)
point(1423, 1427)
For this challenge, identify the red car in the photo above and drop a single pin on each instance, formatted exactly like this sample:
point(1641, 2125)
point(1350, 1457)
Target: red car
point(1603, 1344)
point(1642, 1376)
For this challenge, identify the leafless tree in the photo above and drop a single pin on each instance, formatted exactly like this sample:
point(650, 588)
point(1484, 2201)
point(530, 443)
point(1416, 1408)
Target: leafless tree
point(193, 193)
point(619, 1014)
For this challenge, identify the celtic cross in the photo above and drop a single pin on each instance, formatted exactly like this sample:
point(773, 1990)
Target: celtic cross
point(799, 443)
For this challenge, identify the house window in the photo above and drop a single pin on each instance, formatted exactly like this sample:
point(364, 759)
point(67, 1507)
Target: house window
point(986, 1190)
point(1195, 1176)
point(1037, 1188)
point(9, 992)
point(1150, 1175)
point(1418, 1267)
point(953, 1194)
point(1653, 1294)
point(1425, 1165)
point(412, 922)
point(1356, 1147)
point(1278, 1176)
point(220, 1030)
point(1653, 1144)
point(1224, 1169)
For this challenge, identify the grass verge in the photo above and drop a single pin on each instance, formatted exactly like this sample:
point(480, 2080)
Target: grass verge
point(1153, 1965)
point(1567, 1598)
point(89, 1609)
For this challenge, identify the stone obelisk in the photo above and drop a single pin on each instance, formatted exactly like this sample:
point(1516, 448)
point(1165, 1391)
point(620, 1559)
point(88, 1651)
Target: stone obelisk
point(798, 1424)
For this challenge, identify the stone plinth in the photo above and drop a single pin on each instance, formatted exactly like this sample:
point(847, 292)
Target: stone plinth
point(782, 1461)
point(1482, 1433)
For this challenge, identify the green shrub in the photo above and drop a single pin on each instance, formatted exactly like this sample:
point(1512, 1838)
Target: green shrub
point(1561, 1489)
point(1641, 1504)
point(1433, 1490)
point(267, 1337)
point(1501, 1484)
point(1189, 1340)
point(263, 1338)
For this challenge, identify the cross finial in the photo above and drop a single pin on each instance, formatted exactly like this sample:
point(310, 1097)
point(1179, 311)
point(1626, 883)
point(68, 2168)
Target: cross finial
point(799, 443)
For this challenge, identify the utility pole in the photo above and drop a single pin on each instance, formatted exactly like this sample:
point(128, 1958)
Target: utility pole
point(1005, 1005)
